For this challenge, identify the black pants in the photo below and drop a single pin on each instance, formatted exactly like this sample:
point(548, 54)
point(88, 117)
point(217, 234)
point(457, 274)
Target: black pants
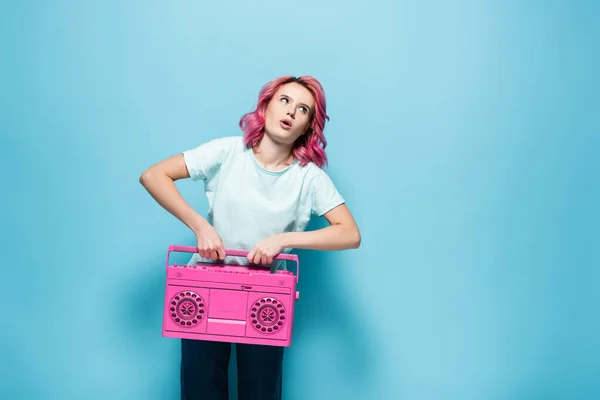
point(204, 367)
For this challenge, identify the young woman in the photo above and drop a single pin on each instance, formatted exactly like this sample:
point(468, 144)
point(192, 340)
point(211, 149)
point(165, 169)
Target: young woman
point(262, 189)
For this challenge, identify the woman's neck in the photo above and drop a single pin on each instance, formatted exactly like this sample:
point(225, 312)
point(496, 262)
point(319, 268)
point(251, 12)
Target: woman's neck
point(271, 155)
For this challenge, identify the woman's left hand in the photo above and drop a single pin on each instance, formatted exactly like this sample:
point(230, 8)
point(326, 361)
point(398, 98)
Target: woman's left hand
point(264, 251)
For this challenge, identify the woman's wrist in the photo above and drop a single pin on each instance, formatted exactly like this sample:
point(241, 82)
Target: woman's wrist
point(198, 224)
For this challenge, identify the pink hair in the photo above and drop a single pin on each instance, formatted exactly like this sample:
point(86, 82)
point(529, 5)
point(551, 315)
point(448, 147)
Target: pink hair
point(308, 147)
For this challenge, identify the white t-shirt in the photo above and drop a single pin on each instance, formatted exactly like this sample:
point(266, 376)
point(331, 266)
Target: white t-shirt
point(248, 203)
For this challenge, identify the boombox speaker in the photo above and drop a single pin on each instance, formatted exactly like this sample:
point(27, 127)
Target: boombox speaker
point(230, 303)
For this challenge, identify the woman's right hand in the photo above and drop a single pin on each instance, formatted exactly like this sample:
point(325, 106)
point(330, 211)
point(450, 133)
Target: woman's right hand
point(209, 243)
point(159, 181)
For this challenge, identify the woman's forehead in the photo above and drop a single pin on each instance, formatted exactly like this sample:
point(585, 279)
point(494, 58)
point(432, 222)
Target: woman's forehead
point(296, 91)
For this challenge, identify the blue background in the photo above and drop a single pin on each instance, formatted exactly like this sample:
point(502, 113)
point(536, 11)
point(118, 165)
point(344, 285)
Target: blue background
point(464, 136)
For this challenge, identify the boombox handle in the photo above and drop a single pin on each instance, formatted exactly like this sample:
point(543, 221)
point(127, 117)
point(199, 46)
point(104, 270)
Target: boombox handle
point(237, 253)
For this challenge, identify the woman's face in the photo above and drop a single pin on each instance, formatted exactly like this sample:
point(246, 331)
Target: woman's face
point(288, 113)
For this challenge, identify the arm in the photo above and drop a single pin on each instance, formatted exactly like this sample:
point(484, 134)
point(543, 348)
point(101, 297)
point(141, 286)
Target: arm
point(159, 181)
point(341, 234)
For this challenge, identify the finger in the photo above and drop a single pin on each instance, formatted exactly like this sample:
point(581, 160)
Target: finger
point(221, 251)
point(213, 255)
point(270, 260)
point(264, 259)
point(257, 257)
point(250, 255)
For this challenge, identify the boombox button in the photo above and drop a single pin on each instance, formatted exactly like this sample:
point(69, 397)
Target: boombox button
point(297, 295)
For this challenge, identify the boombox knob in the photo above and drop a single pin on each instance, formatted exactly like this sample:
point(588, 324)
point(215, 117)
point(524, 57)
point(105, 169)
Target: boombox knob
point(297, 295)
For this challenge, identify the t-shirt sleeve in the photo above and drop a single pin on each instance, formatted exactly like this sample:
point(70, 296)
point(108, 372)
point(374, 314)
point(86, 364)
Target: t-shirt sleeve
point(203, 161)
point(324, 194)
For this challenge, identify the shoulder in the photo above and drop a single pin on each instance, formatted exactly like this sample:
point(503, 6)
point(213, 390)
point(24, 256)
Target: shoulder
point(203, 160)
point(218, 147)
point(322, 192)
point(314, 175)
point(234, 141)
point(316, 180)
point(227, 143)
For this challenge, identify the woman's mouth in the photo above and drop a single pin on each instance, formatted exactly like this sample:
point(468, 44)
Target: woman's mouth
point(285, 124)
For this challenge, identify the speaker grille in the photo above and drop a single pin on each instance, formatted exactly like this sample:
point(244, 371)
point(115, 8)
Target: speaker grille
point(267, 315)
point(186, 309)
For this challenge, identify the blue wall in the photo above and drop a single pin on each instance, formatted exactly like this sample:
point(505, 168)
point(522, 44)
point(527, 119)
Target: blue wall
point(465, 138)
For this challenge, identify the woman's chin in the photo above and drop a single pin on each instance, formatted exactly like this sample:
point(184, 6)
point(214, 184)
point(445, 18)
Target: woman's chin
point(280, 136)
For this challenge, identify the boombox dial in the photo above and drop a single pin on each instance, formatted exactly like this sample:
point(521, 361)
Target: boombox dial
point(268, 315)
point(186, 308)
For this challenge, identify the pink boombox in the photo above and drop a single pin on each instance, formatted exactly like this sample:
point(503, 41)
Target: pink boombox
point(226, 303)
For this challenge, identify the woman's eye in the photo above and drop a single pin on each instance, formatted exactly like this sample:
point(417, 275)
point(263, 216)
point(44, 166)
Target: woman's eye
point(304, 110)
point(284, 100)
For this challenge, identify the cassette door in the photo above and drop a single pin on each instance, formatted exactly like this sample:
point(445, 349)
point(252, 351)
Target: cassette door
point(227, 312)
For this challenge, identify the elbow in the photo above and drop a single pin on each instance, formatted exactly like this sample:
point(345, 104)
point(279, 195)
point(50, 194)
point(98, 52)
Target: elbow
point(355, 239)
point(145, 177)
point(349, 237)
